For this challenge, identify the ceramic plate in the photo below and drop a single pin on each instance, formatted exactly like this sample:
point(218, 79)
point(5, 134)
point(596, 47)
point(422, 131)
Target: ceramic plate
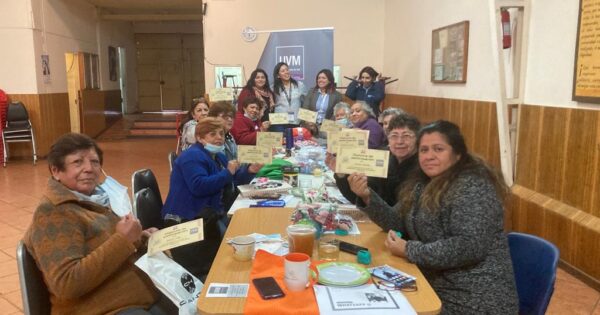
point(342, 274)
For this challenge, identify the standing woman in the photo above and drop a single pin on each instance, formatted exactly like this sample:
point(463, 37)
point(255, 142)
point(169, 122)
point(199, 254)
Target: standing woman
point(258, 86)
point(452, 211)
point(367, 88)
point(288, 94)
point(187, 128)
point(362, 117)
point(323, 97)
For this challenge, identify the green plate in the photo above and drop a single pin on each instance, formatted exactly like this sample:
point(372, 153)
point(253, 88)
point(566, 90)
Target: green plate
point(342, 274)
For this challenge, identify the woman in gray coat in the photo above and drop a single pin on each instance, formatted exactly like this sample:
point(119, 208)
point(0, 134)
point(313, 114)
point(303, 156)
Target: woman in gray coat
point(451, 211)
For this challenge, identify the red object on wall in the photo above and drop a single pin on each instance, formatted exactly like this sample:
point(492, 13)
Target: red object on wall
point(506, 37)
point(3, 106)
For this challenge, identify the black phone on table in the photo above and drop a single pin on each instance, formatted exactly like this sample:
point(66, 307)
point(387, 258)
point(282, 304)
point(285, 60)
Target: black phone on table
point(268, 288)
point(350, 248)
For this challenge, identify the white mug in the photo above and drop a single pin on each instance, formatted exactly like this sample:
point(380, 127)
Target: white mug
point(243, 247)
point(297, 271)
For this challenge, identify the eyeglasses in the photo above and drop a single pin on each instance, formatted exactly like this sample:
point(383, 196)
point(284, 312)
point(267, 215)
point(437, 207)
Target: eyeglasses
point(403, 137)
point(387, 286)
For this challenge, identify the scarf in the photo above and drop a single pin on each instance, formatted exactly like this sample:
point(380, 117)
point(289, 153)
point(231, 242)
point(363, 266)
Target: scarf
point(262, 95)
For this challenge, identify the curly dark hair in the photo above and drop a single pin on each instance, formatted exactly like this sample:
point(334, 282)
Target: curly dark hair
point(67, 144)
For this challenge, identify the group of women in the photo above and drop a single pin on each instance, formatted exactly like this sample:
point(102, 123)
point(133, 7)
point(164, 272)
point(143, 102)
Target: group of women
point(447, 203)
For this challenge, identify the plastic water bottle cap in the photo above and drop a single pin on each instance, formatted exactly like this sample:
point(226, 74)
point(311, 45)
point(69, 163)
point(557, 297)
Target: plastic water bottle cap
point(363, 257)
point(341, 232)
point(399, 234)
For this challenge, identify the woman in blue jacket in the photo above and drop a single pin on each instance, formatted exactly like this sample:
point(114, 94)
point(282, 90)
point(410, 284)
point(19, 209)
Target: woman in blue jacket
point(199, 177)
point(367, 88)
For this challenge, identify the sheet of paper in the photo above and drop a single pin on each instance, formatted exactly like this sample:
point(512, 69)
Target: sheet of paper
point(278, 118)
point(228, 290)
point(307, 115)
point(365, 299)
point(174, 236)
point(347, 138)
point(269, 139)
point(220, 94)
point(330, 126)
point(255, 154)
point(370, 162)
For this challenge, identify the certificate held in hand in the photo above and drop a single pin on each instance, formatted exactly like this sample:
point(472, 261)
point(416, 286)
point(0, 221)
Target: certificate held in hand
point(278, 118)
point(269, 139)
point(307, 115)
point(255, 154)
point(372, 163)
point(175, 236)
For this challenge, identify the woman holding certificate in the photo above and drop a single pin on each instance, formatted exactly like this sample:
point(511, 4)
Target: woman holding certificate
point(246, 125)
point(363, 117)
point(323, 97)
point(199, 177)
point(289, 94)
point(451, 210)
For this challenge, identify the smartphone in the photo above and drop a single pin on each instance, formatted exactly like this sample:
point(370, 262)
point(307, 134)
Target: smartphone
point(268, 288)
point(350, 248)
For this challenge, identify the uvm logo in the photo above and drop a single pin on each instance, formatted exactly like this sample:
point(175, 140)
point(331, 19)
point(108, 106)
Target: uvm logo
point(294, 57)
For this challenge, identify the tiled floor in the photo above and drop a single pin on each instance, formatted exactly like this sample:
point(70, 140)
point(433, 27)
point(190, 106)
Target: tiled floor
point(22, 185)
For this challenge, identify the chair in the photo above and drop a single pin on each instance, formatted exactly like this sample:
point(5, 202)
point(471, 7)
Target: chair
point(172, 156)
point(148, 207)
point(534, 262)
point(18, 129)
point(141, 179)
point(36, 298)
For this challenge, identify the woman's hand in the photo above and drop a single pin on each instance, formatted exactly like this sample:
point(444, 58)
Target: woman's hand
point(255, 167)
point(232, 166)
point(358, 185)
point(130, 227)
point(395, 244)
point(146, 235)
point(330, 161)
point(265, 125)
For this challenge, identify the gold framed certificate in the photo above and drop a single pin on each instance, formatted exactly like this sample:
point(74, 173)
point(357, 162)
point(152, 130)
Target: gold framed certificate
point(269, 139)
point(255, 154)
point(353, 138)
point(278, 118)
point(372, 163)
point(307, 115)
point(330, 126)
point(174, 236)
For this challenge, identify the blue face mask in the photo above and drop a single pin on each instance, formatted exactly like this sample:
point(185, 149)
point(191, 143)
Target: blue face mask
point(343, 121)
point(214, 149)
point(119, 200)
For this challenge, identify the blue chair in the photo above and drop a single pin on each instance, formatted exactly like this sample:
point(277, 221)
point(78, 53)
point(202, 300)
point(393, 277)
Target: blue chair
point(534, 262)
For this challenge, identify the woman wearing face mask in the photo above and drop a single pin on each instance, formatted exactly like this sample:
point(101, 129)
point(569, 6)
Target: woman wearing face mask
point(199, 176)
point(187, 127)
point(341, 112)
point(367, 88)
point(258, 87)
point(362, 117)
point(84, 251)
point(452, 212)
point(323, 96)
point(246, 125)
point(289, 94)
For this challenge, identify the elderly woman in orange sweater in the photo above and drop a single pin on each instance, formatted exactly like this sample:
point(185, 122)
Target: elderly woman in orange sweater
point(247, 124)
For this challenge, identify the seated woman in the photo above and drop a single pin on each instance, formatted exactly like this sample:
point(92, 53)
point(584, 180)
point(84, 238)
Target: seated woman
point(362, 117)
point(341, 112)
point(85, 251)
point(367, 88)
point(258, 86)
point(387, 115)
point(187, 128)
point(452, 213)
point(246, 125)
point(323, 97)
point(402, 131)
point(198, 178)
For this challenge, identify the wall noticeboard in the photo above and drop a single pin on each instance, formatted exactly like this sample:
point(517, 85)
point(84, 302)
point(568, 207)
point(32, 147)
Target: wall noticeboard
point(449, 52)
point(586, 76)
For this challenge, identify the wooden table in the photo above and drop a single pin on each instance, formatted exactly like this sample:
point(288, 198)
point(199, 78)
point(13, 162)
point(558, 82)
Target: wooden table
point(274, 220)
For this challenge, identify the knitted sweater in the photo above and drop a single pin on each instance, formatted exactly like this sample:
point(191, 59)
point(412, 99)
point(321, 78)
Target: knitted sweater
point(461, 249)
point(87, 266)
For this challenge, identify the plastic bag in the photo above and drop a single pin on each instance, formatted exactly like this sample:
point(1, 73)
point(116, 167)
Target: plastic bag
point(176, 283)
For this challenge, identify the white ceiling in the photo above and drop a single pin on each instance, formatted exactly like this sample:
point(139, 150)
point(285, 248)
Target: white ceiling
point(149, 10)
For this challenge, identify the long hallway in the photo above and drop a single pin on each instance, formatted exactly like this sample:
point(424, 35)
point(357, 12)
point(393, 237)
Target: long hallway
point(22, 185)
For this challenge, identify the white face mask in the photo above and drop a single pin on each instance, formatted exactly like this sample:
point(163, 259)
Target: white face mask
point(117, 196)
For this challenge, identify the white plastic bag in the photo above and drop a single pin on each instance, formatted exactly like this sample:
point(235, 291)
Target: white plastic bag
point(173, 281)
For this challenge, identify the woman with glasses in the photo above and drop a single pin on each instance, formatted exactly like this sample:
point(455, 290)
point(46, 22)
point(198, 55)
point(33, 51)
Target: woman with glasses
point(451, 210)
point(367, 88)
point(258, 86)
point(187, 126)
point(402, 132)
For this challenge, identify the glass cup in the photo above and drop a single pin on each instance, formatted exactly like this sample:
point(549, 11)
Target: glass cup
point(329, 248)
point(301, 238)
point(243, 247)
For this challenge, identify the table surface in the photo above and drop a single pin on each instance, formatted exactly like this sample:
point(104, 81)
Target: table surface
point(274, 220)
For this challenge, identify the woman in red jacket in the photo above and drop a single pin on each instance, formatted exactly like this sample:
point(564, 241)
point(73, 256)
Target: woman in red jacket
point(247, 124)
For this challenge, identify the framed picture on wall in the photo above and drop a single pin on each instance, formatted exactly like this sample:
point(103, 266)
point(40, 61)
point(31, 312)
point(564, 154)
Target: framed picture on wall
point(586, 77)
point(449, 52)
point(112, 63)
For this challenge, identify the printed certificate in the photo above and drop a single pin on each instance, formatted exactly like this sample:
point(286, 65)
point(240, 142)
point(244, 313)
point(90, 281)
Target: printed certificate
point(174, 236)
point(269, 139)
point(372, 163)
point(255, 154)
point(220, 94)
point(278, 118)
point(351, 138)
point(307, 115)
point(330, 126)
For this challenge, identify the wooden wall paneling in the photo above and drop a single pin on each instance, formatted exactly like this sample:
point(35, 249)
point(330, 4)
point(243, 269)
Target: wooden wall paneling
point(595, 191)
point(586, 242)
point(551, 153)
point(467, 124)
point(55, 118)
point(93, 118)
point(580, 153)
point(112, 109)
point(558, 227)
point(528, 145)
